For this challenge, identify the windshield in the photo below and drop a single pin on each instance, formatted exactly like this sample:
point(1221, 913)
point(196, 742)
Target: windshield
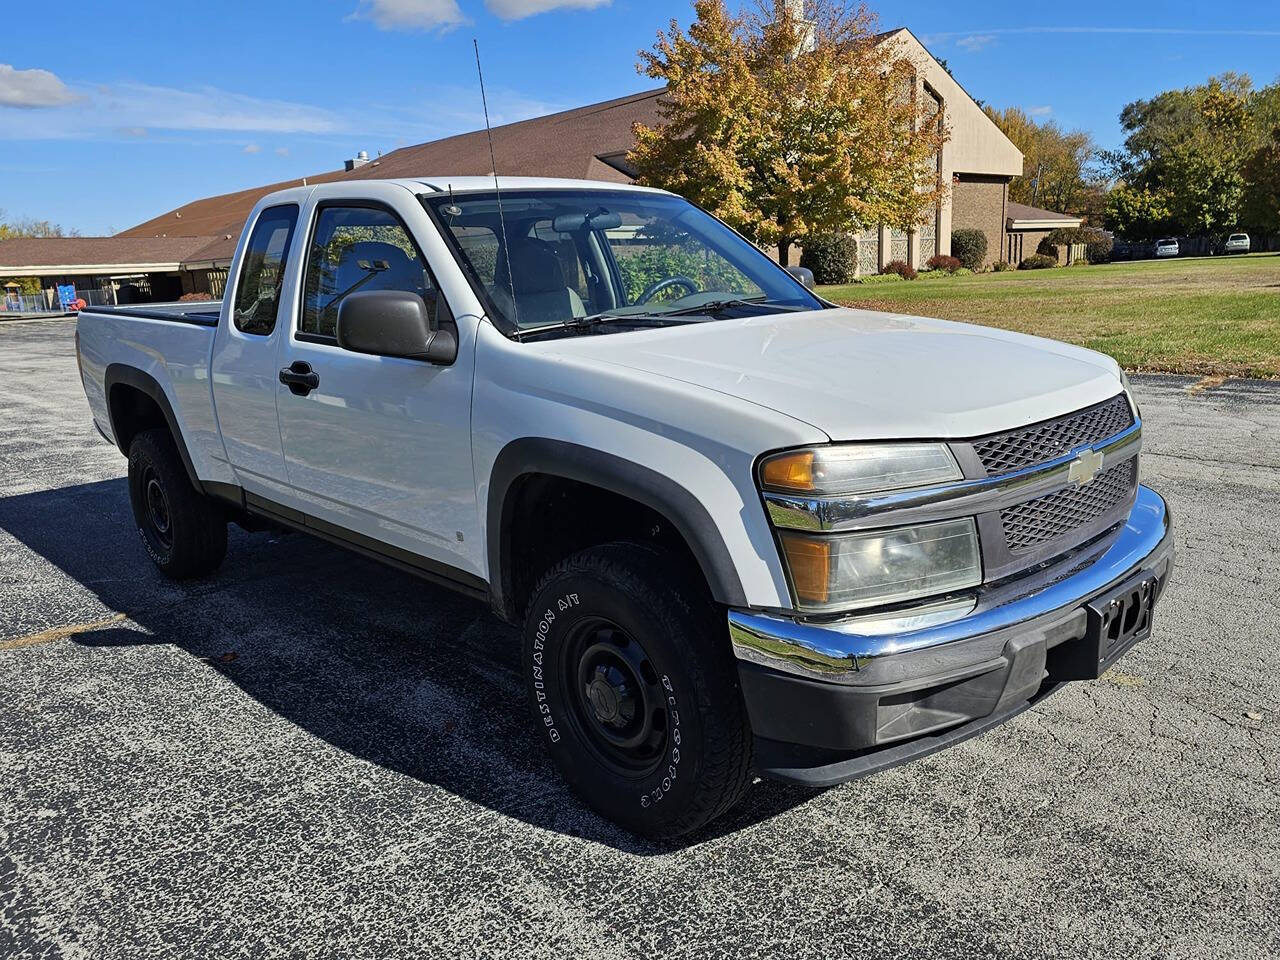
point(582, 257)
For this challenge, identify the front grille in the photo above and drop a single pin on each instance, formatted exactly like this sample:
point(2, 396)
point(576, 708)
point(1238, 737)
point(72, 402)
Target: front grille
point(1046, 518)
point(1015, 449)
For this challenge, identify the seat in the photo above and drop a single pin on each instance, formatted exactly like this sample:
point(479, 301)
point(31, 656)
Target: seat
point(536, 280)
point(372, 265)
point(391, 266)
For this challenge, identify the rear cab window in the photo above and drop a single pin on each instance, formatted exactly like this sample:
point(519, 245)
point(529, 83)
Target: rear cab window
point(262, 268)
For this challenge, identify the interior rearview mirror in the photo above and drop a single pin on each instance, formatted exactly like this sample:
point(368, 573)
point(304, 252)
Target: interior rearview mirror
point(573, 222)
point(393, 323)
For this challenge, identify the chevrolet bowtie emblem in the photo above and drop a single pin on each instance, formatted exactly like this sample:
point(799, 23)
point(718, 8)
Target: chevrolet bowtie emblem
point(1084, 467)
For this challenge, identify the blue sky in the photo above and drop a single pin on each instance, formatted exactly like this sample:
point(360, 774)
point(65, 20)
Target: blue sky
point(111, 113)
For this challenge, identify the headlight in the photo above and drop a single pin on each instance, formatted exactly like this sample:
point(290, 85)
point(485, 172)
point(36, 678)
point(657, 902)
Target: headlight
point(858, 468)
point(881, 566)
point(1128, 392)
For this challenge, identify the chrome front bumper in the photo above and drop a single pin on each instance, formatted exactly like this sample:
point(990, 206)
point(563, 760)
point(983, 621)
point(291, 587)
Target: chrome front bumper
point(857, 685)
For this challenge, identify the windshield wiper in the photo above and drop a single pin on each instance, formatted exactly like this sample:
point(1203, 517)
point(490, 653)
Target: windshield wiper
point(591, 320)
point(720, 306)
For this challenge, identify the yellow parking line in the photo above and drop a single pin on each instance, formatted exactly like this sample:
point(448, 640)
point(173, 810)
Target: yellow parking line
point(59, 633)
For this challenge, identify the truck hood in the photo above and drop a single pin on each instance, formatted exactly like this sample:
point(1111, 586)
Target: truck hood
point(863, 375)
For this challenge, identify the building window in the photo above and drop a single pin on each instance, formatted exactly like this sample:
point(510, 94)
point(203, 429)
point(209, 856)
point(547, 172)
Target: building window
point(899, 245)
point(869, 251)
point(928, 233)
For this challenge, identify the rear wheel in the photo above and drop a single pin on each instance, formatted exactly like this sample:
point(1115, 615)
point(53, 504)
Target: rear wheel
point(183, 531)
point(635, 692)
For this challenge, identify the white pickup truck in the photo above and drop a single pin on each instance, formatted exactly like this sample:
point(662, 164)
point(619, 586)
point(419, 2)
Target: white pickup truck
point(742, 530)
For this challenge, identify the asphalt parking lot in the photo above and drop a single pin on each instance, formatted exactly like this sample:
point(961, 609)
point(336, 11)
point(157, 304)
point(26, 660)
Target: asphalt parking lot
point(312, 755)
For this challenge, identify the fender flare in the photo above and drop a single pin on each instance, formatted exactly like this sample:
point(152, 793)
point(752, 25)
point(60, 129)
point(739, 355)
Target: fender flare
point(123, 374)
point(560, 458)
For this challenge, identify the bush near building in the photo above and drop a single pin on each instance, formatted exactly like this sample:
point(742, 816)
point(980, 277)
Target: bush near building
point(1038, 261)
point(901, 268)
point(940, 261)
point(833, 257)
point(1098, 243)
point(969, 247)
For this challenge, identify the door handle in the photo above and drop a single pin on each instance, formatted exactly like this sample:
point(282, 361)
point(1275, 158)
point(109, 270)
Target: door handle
point(299, 378)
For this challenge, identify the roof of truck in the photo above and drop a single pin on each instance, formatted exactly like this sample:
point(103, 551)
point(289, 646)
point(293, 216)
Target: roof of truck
point(474, 183)
point(445, 184)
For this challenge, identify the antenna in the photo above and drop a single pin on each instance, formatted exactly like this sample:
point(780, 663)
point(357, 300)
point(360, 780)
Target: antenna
point(502, 221)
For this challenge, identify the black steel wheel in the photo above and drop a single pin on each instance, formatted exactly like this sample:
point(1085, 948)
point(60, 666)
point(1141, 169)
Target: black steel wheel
point(183, 531)
point(157, 506)
point(617, 700)
point(634, 688)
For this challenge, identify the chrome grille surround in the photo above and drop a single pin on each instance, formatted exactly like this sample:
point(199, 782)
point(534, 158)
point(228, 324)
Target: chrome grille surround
point(1014, 449)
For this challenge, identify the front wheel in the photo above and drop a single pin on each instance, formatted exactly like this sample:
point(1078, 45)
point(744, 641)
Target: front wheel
point(634, 690)
point(184, 532)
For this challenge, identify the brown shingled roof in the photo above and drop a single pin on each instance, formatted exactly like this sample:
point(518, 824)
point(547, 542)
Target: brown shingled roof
point(567, 144)
point(37, 252)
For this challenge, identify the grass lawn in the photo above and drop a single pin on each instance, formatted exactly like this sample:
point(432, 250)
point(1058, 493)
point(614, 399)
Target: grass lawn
point(1214, 317)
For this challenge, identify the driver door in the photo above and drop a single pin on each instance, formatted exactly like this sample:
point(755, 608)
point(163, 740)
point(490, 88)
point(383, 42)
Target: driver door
point(380, 447)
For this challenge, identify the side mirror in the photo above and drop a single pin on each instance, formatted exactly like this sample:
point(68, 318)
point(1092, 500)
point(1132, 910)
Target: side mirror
point(393, 323)
point(803, 274)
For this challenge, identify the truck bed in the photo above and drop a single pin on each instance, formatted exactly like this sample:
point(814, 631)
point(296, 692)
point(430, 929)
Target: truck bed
point(165, 350)
point(202, 312)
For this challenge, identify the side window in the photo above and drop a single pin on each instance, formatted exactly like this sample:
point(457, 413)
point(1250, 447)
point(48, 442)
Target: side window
point(262, 271)
point(358, 248)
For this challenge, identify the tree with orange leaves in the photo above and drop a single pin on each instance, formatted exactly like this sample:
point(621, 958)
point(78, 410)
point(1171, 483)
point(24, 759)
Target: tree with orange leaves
point(785, 125)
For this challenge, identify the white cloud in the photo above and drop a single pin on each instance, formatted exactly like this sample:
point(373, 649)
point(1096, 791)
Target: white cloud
point(32, 88)
point(411, 14)
point(242, 122)
point(134, 109)
point(1043, 111)
point(519, 9)
point(208, 108)
point(975, 42)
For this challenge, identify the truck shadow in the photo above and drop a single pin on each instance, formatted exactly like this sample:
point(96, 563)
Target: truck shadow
point(379, 664)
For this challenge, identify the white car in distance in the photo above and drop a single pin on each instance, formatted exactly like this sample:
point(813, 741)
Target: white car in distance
point(1236, 243)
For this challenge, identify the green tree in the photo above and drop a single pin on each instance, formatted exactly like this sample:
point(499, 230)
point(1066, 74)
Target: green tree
point(26, 227)
point(1260, 208)
point(1185, 156)
point(784, 127)
point(1138, 213)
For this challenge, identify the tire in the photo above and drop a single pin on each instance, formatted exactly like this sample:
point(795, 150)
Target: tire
point(183, 531)
point(635, 691)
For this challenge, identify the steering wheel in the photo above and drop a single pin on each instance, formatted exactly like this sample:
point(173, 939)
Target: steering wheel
point(656, 288)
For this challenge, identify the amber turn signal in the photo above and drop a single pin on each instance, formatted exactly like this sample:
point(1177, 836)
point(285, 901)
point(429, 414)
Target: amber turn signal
point(809, 562)
point(792, 471)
